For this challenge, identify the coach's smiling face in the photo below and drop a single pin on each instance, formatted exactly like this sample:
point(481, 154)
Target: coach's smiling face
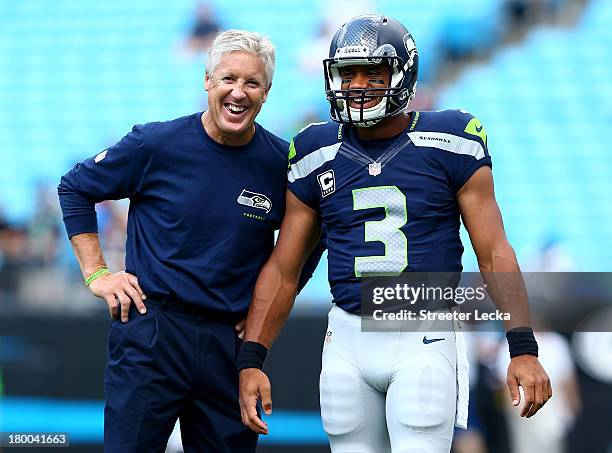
point(236, 91)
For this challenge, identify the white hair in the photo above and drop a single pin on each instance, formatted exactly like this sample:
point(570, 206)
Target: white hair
point(241, 40)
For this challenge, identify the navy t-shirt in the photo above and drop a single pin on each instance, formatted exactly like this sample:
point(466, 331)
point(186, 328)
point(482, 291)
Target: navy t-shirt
point(202, 215)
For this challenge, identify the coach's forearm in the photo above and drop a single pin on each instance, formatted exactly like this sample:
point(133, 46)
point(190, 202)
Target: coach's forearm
point(505, 284)
point(272, 301)
point(86, 247)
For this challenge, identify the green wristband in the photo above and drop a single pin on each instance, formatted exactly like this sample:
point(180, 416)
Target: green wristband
point(99, 273)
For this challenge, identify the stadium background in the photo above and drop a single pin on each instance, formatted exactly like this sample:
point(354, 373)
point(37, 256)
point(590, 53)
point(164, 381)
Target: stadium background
point(76, 75)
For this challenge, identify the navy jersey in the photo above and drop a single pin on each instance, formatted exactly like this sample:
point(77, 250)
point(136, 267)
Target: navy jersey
point(202, 215)
point(389, 206)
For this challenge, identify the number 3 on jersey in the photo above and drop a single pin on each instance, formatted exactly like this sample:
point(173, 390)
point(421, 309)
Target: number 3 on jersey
point(387, 231)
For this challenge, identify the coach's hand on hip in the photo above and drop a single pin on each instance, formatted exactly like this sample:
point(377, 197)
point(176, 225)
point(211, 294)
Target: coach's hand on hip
point(254, 385)
point(121, 287)
point(526, 371)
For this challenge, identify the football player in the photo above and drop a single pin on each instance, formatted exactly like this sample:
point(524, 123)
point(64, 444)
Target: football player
point(390, 185)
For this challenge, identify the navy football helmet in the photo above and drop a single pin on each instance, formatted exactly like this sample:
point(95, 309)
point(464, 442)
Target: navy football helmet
point(364, 40)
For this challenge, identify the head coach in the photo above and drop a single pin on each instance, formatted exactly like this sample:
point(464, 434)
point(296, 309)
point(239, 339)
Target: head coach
point(206, 193)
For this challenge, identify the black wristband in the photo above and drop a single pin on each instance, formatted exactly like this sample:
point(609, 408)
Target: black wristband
point(251, 355)
point(521, 341)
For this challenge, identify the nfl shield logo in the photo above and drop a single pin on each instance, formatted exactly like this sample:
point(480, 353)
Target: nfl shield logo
point(374, 168)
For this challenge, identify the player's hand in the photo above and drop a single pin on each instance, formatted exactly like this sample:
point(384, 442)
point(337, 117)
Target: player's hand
point(239, 327)
point(526, 371)
point(254, 385)
point(122, 287)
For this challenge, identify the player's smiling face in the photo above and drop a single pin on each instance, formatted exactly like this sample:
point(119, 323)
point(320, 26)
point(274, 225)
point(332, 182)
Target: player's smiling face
point(362, 77)
point(236, 91)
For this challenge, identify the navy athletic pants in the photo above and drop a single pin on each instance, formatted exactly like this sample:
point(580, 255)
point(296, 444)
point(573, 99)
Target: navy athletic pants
point(173, 362)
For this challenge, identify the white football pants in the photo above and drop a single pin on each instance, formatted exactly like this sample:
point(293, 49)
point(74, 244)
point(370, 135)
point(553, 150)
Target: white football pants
point(387, 391)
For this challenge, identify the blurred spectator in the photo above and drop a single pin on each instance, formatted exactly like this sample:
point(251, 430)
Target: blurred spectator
point(204, 29)
point(529, 12)
point(44, 227)
point(522, 12)
point(13, 258)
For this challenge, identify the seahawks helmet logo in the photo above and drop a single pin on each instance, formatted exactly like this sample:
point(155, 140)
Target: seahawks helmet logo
point(255, 200)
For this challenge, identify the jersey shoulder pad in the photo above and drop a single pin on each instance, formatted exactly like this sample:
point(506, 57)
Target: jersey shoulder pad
point(456, 140)
point(456, 122)
point(312, 147)
point(313, 137)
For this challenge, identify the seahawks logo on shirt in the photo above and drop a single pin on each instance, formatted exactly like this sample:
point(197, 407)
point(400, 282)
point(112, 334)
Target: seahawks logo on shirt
point(254, 200)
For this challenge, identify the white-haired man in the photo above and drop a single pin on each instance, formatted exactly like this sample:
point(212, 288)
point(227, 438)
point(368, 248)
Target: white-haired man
point(206, 194)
